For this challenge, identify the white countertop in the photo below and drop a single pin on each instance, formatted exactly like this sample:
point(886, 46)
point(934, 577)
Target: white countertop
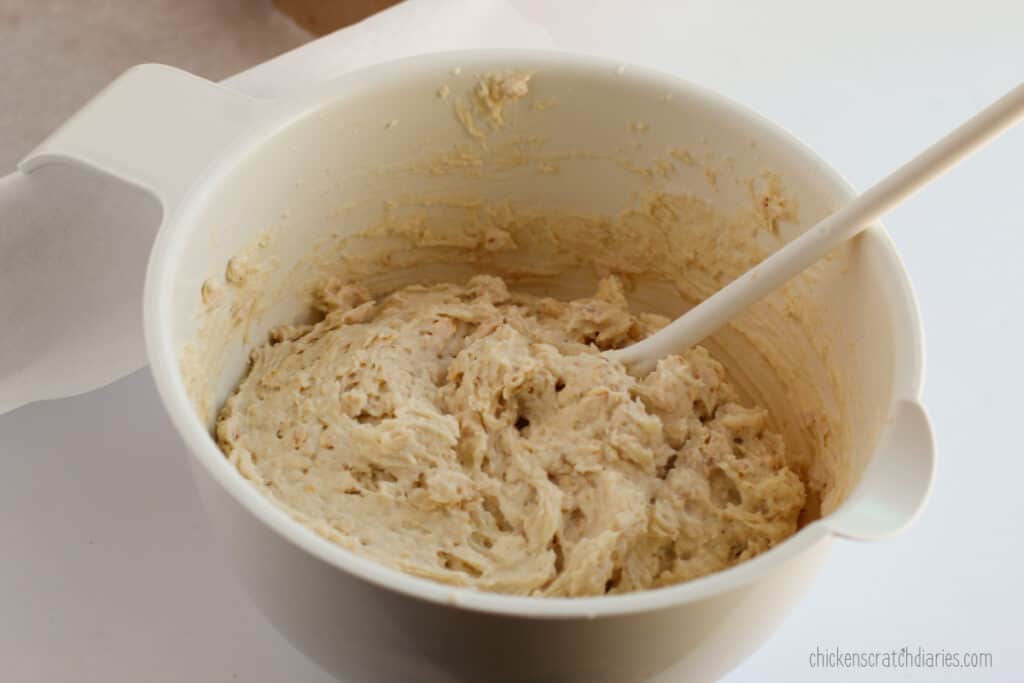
point(107, 569)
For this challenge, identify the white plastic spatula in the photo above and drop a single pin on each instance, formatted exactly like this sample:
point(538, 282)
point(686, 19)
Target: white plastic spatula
point(808, 248)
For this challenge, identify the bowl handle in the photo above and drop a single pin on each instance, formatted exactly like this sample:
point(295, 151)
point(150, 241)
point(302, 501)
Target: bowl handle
point(897, 481)
point(154, 126)
point(74, 243)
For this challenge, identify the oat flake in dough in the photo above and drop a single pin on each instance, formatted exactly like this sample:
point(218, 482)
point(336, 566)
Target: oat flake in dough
point(477, 436)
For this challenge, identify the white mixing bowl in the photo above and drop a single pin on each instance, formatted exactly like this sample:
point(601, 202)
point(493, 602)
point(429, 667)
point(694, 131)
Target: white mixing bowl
point(269, 180)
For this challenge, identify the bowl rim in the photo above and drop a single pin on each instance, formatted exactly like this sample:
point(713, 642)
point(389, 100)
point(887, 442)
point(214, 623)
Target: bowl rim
point(163, 355)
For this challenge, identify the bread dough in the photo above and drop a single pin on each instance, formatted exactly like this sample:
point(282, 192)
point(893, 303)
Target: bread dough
point(478, 437)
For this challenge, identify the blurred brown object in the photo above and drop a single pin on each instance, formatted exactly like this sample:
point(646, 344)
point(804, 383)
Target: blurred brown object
point(320, 17)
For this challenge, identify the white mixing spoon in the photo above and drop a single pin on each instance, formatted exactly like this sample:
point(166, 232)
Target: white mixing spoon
point(789, 261)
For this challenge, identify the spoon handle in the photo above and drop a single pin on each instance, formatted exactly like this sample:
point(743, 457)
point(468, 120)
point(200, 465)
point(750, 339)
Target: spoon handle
point(829, 233)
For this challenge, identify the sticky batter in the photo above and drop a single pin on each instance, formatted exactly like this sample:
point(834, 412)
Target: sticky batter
point(478, 437)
